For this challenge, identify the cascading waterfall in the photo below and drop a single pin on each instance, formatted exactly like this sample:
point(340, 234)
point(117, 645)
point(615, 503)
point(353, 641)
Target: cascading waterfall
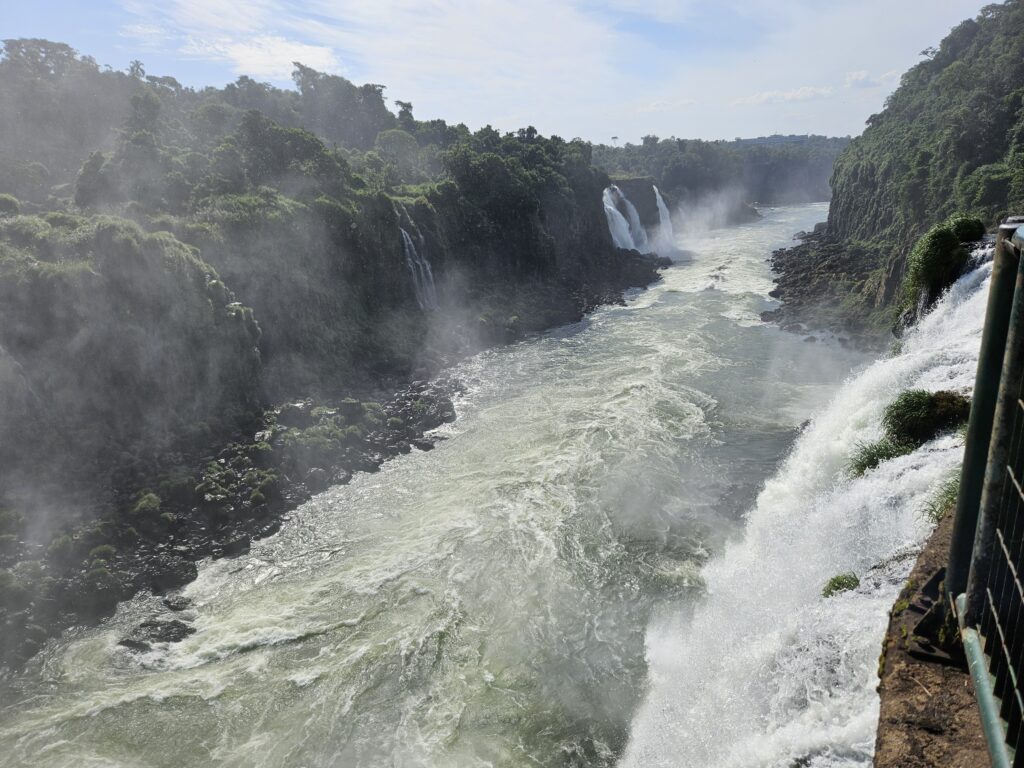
point(422, 274)
point(666, 238)
point(627, 231)
point(617, 224)
point(787, 675)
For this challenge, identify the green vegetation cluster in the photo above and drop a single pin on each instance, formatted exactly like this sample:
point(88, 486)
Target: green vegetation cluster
point(842, 582)
point(938, 259)
point(911, 420)
point(949, 142)
point(773, 170)
point(951, 138)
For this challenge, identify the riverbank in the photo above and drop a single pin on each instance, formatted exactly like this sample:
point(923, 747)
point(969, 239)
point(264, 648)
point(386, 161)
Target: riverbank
point(827, 284)
point(155, 516)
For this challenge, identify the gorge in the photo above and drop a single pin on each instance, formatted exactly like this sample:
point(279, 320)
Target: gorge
point(335, 436)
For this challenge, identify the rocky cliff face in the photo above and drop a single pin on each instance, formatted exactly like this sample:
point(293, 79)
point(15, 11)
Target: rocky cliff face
point(950, 140)
point(111, 337)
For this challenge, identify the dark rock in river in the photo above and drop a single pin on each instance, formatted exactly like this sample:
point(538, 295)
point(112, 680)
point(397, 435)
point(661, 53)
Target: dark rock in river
point(157, 631)
point(317, 480)
point(168, 572)
point(176, 602)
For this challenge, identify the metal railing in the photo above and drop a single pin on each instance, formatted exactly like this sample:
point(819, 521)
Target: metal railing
point(986, 561)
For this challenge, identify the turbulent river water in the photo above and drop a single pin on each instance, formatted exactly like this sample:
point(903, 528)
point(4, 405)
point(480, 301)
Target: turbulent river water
point(615, 557)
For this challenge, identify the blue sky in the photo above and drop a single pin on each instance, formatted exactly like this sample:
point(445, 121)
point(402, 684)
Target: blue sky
point(596, 69)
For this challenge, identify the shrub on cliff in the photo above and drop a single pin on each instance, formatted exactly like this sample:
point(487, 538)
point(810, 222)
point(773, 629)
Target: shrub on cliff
point(968, 229)
point(911, 420)
point(870, 455)
point(917, 416)
point(937, 260)
point(9, 205)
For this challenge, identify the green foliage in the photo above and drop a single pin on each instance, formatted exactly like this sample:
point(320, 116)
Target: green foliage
point(968, 229)
point(870, 455)
point(148, 505)
point(9, 205)
point(843, 582)
point(61, 549)
point(943, 498)
point(917, 416)
point(936, 261)
point(103, 552)
point(772, 170)
point(912, 419)
point(950, 138)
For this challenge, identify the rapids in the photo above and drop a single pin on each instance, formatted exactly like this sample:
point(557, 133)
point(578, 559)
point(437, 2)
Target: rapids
point(610, 558)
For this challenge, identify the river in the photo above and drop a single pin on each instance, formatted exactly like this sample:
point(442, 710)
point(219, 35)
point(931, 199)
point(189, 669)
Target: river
point(615, 556)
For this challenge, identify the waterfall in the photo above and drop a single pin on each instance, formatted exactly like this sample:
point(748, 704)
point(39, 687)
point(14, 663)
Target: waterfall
point(617, 224)
point(419, 268)
point(625, 224)
point(666, 238)
point(787, 675)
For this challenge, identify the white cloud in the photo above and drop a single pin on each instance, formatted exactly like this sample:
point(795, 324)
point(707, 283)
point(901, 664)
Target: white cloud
point(804, 93)
point(860, 79)
point(148, 35)
point(265, 56)
point(571, 67)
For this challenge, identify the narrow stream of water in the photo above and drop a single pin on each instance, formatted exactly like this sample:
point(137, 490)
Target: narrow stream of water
point(532, 592)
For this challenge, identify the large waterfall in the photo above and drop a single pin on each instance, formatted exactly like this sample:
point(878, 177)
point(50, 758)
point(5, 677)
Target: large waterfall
point(624, 222)
point(422, 275)
point(666, 238)
point(766, 672)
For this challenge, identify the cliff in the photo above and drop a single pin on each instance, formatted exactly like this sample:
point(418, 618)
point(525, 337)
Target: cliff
point(950, 139)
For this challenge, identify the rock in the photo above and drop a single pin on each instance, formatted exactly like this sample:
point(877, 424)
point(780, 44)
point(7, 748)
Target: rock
point(423, 443)
point(176, 602)
point(317, 480)
point(237, 546)
point(298, 415)
point(342, 477)
point(168, 572)
point(157, 631)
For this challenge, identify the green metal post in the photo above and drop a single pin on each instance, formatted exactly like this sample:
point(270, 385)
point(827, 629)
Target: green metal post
point(988, 706)
point(983, 405)
point(999, 444)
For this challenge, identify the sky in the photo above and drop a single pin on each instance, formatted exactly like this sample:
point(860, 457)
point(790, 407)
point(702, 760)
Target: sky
point(596, 69)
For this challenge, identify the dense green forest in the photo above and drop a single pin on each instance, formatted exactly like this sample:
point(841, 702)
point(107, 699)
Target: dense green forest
point(949, 141)
point(772, 170)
